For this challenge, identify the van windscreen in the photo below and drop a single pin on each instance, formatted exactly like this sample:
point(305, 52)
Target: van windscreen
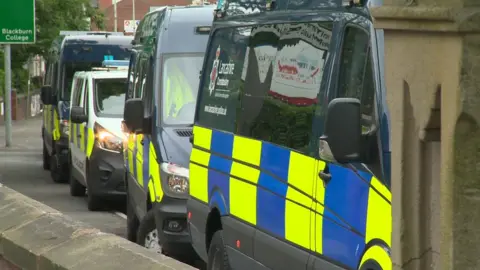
point(83, 57)
point(180, 79)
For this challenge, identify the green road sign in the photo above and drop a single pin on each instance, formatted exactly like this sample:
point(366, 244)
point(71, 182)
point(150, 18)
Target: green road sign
point(17, 21)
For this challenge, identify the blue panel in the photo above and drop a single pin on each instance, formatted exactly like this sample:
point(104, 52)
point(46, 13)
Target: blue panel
point(340, 245)
point(346, 195)
point(271, 195)
point(220, 164)
point(146, 162)
point(222, 143)
point(275, 159)
point(219, 191)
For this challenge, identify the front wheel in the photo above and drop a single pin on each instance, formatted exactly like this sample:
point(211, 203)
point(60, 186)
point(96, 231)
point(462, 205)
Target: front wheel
point(58, 176)
point(217, 253)
point(147, 234)
point(94, 202)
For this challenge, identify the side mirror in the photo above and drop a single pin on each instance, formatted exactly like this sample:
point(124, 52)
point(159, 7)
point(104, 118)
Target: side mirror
point(133, 116)
point(46, 95)
point(77, 115)
point(341, 141)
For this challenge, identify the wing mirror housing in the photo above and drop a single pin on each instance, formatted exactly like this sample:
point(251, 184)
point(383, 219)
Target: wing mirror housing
point(342, 138)
point(77, 115)
point(133, 116)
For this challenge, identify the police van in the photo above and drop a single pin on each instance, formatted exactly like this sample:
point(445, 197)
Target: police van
point(96, 138)
point(70, 52)
point(167, 57)
point(290, 161)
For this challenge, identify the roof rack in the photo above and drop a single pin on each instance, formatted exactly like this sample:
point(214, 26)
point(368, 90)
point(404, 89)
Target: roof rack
point(83, 33)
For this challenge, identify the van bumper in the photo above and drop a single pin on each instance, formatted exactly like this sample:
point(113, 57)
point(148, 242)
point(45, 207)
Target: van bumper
point(106, 174)
point(171, 221)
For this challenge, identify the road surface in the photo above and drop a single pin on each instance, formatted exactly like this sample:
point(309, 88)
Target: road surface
point(21, 169)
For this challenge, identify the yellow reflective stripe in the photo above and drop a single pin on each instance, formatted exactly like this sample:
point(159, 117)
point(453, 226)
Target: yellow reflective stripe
point(200, 157)
point(202, 137)
point(198, 174)
point(379, 214)
point(243, 200)
point(131, 158)
point(379, 255)
point(301, 173)
point(139, 147)
point(247, 150)
point(56, 121)
point(243, 195)
point(151, 191)
point(154, 170)
point(319, 208)
point(90, 142)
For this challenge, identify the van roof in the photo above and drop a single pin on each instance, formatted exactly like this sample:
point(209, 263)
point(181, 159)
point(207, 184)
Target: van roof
point(103, 74)
point(182, 26)
point(98, 39)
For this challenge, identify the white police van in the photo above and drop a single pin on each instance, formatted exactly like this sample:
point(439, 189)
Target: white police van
point(96, 138)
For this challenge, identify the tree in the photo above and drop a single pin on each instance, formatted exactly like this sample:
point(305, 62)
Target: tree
point(53, 16)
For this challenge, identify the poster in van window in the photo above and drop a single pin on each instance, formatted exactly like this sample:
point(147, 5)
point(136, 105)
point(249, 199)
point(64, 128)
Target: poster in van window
point(219, 81)
point(298, 68)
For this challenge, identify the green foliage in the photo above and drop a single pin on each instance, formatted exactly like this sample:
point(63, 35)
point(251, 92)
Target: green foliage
point(52, 16)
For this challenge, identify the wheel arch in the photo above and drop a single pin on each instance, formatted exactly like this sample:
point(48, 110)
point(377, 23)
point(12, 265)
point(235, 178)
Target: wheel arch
point(376, 256)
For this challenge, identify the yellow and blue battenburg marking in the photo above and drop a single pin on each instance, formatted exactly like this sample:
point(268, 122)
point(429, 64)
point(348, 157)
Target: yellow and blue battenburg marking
point(141, 163)
point(82, 137)
point(278, 191)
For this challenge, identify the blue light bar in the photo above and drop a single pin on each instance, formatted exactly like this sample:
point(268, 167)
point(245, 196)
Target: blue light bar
point(115, 63)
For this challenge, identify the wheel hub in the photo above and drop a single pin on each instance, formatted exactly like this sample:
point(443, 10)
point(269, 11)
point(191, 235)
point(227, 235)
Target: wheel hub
point(151, 241)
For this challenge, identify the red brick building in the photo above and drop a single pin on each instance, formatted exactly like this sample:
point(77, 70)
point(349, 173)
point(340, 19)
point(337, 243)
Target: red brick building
point(142, 7)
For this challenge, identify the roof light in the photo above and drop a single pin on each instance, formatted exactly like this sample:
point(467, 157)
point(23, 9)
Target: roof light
point(116, 63)
point(82, 33)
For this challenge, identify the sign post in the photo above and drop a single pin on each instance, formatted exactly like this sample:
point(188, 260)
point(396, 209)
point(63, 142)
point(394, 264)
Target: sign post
point(17, 26)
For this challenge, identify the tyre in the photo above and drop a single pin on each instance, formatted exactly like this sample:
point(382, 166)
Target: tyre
point(147, 234)
point(46, 158)
point(56, 171)
point(132, 221)
point(94, 203)
point(76, 189)
point(217, 253)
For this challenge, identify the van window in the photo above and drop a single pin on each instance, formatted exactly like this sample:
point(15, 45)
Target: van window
point(180, 86)
point(222, 78)
point(284, 72)
point(131, 75)
point(77, 91)
point(109, 97)
point(356, 72)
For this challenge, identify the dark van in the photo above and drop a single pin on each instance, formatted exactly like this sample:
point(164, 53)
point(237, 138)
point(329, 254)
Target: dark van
point(164, 70)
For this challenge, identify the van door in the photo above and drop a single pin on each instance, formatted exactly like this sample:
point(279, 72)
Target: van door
point(78, 158)
point(344, 231)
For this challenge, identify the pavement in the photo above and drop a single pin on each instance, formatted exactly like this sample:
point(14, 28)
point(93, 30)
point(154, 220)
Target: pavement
point(21, 170)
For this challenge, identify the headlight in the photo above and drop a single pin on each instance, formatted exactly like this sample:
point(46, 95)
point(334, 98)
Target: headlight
point(106, 140)
point(64, 128)
point(175, 179)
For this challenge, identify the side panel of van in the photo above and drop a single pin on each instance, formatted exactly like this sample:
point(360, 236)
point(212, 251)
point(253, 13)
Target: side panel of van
point(255, 160)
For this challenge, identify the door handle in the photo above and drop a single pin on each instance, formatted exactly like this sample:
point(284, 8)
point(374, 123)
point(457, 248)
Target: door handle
point(325, 176)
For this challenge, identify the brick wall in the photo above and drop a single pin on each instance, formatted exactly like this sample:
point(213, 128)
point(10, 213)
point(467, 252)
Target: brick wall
point(22, 106)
